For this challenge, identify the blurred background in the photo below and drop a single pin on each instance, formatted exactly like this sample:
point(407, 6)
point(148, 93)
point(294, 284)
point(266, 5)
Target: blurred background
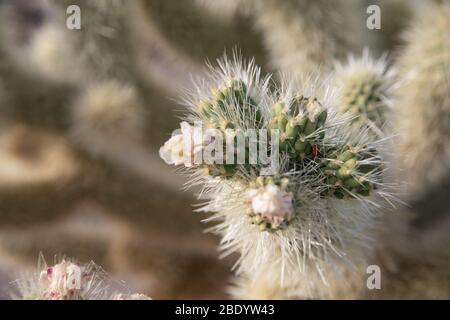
point(84, 112)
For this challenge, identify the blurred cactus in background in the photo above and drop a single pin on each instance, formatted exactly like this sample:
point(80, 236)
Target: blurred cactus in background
point(424, 107)
point(367, 90)
point(78, 130)
point(416, 240)
point(84, 112)
point(67, 280)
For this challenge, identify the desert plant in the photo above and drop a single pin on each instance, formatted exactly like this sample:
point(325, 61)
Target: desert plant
point(68, 280)
point(313, 206)
point(367, 90)
point(424, 106)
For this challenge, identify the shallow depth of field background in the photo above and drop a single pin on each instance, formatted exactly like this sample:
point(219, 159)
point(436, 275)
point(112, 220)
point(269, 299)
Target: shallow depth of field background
point(123, 207)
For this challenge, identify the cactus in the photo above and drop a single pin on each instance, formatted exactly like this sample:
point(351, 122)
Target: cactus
point(414, 243)
point(347, 171)
point(300, 122)
point(67, 280)
point(301, 196)
point(270, 219)
point(367, 90)
point(424, 102)
point(107, 111)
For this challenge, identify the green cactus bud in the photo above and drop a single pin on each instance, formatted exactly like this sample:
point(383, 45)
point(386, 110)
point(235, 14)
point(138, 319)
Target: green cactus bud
point(352, 183)
point(205, 108)
point(331, 181)
point(310, 127)
point(322, 118)
point(343, 173)
point(292, 129)
point(296, 106)
point(350, 164)
point(333, 165)
point(346, 155)
point(278, 108)
point(219, 94)
point(273, 124)
point(239, 91)
point(283, 144)
point(332, 155)
point(292, 152)
point(302, 123)
point(300, 146)
point(308, 149)
point(282, 121)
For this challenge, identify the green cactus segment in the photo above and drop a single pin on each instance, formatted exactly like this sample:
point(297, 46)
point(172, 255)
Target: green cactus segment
point(362, 97)
point(344, 176)
point(265, 223)
point(300, 125)
point(216, 112)
point(216, 109)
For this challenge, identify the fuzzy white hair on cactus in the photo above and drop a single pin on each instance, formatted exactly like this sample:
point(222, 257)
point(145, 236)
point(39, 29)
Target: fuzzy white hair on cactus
point(322, 198)
point(248, 86)
point(423, 111)
point(105, 116)
point(62, 280)
point(67, 280)
point(367, 87)
point(51, 55)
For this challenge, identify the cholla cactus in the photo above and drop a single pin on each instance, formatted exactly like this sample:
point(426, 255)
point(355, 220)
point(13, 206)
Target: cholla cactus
point(413, 248)
point(51, 54)
point(107, 111)
point(367, 89)
point(67, 280)
point(306, 210)
point(424, 107)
